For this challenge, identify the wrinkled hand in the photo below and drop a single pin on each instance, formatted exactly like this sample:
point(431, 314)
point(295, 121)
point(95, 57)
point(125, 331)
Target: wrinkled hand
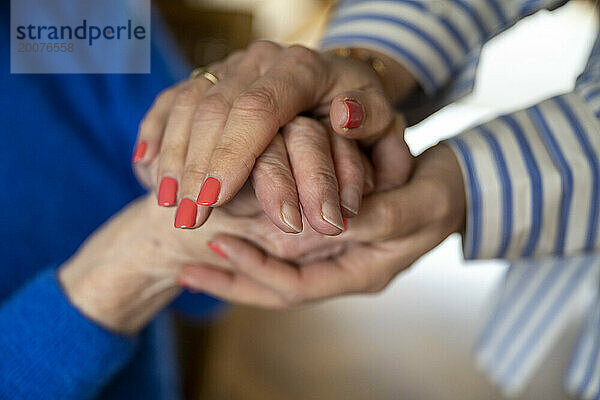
point(197, 130)
point(394, 229)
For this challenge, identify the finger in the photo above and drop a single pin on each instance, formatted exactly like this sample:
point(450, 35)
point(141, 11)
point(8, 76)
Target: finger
point(152, 127)
point(252, 262)
point(229, 286)
point(361, 269)
point(309, 151)
point(275, 187)
point(209, 121)
point(397, 213)
point(350, 174)
point(293, 85)
point(189, 215)
point(174, 143)
point(146, 174)
point(297, 285)
point(361, 114)
point(369, 184)
point(391, 157)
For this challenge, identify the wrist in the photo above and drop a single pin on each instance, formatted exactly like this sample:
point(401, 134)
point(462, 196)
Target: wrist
point(126, 271)
point(117, 298)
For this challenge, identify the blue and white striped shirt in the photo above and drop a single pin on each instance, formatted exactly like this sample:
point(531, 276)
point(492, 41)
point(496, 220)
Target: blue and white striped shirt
point(532, 177)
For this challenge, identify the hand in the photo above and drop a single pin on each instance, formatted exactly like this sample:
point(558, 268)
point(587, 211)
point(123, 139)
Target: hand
point(126, 271)
point(394, 230)
point(197, 131)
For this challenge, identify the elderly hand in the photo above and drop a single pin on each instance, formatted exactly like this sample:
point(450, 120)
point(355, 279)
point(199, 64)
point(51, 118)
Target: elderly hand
point(127, 270)
point(201, 135)
point(394, 229)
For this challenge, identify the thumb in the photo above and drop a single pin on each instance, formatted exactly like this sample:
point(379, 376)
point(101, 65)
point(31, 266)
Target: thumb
point(394, 214)
point(361, 114)
point(391, 157)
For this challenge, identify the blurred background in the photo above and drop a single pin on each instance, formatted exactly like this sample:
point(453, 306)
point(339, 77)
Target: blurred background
point(414, 340)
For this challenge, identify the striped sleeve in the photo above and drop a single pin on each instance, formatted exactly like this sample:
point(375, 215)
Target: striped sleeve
point(436, 40)
point(533, 177)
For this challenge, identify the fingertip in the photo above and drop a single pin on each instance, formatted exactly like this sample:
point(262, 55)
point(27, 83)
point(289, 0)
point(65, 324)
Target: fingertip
point(233, 248)
point(338, 115)
point(139, 153)
point(332, 214)
point(189, 215)
point(291, 217)
point(167, 192)
point(346, 113)
point(209, 192)
point(350, 197)
point(185, 217)
point(215, 248)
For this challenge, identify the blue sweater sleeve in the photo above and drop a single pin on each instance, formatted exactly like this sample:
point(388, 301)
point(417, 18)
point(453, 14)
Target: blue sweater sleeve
point(49, 350)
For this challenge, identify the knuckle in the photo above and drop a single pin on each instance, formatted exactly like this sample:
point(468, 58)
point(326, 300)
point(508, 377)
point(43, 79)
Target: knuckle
point(273, 169)
point(171, 152)
point(194, 171)
point(263, 46)
point(303, 55)
point(322, 176)
point(163, 97)
point(187, 97)
point(229, 154)
point(216, 102)
point(235, 55)
point(259, 102)
point(305, 137)
point(213, 107)
point(147, 127)
point(303, 124)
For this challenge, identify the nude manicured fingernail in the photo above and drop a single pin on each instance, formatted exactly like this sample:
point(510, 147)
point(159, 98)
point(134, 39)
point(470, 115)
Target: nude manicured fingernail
point(186, 214)
point(217, 250)
point(167, 192)
point(356, 114)
point(140, 152)
point(350, 198)
point(331, 213)
point(209, 193)
point(291, 217)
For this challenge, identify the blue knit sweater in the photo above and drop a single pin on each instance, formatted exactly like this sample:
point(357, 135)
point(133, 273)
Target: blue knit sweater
point(65, 169)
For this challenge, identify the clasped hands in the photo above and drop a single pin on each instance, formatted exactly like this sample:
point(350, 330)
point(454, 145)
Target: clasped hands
point(312, 191)
point(342, 174)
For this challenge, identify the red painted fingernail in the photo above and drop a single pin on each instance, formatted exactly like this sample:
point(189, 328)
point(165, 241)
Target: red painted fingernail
point(217, 250)
point(186, 214)
point(139, 152)
point(355, 114)
point(345, 224)
point(167, 191)
point(209, 193)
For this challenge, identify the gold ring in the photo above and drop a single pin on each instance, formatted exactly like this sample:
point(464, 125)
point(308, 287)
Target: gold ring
point(204, 73)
